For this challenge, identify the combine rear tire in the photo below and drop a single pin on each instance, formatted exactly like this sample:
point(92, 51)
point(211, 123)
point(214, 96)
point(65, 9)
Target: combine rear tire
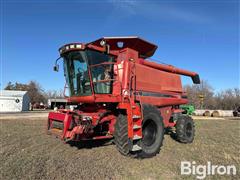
point(185, 129)
point(152, 130)
point(121, 135)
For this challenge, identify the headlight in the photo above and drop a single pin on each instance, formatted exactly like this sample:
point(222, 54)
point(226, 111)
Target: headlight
point(78, 46)
point(65, 48)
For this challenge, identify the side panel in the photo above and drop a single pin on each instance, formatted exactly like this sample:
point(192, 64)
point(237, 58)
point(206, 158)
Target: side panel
point(153, 80)
point(166, 113)
point(161, 101)
point(9, 104)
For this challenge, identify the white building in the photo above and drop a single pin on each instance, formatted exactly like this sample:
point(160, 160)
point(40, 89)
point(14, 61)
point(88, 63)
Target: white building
point(14, 101)
point(57, 102)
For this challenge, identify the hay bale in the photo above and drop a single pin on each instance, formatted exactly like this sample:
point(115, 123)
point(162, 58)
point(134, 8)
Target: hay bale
point(216, 113)
point(198, 112)
point(207, 113)
point(222, 113)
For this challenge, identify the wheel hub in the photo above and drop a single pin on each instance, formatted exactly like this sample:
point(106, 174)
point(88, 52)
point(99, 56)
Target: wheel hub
point(149, 132)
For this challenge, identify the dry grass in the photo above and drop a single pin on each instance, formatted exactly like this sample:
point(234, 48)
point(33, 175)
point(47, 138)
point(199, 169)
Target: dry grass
point(28, 153)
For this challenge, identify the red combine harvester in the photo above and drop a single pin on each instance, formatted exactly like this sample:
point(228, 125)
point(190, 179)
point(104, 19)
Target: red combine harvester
point(121, 95)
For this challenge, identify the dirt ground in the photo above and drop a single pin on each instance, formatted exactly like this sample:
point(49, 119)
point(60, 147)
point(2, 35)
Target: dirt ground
point(26, 152)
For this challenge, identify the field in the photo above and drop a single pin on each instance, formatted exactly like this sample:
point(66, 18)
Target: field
point(28, 153)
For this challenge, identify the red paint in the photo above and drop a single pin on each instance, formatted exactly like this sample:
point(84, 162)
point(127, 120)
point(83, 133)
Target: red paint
point(136, 81)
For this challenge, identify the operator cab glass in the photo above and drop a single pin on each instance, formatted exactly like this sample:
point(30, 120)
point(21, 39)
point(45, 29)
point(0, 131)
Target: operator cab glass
point(88, 68)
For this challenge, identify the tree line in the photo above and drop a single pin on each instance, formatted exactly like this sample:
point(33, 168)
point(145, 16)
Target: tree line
point(36, 93)
point(201, 96)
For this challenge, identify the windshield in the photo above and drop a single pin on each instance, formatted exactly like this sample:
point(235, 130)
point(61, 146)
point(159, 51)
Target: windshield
point(77, 66)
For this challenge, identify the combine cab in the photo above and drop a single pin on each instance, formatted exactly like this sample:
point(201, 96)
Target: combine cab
point(121, 95)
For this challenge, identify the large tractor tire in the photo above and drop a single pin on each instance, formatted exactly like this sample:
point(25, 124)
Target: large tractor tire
point(185, 129)
point(121, 135)
point(152, 130)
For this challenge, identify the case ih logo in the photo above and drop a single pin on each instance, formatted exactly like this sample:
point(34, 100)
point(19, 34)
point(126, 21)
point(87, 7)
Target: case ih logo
point(201, 171)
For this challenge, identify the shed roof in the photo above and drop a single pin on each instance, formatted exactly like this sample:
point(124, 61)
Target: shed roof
point(57, 100)
point(12, 93)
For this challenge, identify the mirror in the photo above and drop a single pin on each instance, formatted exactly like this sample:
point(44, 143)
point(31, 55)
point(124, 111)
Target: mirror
point(56, 67)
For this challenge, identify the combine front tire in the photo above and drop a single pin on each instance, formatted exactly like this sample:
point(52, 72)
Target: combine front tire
point(152, 130)
point(121, 135)
point(185, 129)
point(152, 134)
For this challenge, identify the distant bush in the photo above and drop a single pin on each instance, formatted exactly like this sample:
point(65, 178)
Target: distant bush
point(228, 99)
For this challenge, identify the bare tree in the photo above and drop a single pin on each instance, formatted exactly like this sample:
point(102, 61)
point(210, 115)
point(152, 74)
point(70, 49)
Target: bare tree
point(201, 96)
point(228, 99)
point(54, 94)
point(35, 92)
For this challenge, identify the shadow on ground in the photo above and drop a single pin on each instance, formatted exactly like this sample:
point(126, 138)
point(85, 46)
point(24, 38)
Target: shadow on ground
point(171, 133)
point(89, 144)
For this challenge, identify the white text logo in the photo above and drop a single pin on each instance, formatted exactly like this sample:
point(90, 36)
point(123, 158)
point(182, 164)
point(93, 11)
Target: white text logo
point(201, 171)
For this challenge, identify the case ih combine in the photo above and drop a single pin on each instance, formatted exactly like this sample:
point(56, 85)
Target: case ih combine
point(121, 95)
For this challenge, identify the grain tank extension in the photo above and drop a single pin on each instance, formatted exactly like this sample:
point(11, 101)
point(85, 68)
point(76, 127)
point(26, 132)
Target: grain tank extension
point(121, 95)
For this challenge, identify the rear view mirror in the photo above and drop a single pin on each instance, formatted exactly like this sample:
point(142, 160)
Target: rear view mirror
point(56, 67)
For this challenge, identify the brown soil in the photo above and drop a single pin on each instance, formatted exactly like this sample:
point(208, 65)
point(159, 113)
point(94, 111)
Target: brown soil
point(28, 153)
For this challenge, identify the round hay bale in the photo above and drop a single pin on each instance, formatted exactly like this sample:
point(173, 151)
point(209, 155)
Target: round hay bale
point(198, 112)
point(227, 113)
point(207, 113)
point(216, 113)
point(222, 113)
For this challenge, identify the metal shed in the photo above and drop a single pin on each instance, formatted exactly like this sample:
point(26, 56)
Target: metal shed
point(14, 101)
point(57, 102)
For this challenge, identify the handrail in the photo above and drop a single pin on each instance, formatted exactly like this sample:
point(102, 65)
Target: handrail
point(104, 80)
point(104, 63)
point(140, 101)
point(64, 91)
point(100, 64)
point(132, 84)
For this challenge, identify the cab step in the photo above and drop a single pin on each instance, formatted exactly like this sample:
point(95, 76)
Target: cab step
point(136, 137)
point(133, 107)
point(136, 117)
point(136, 127)
point(136, 148)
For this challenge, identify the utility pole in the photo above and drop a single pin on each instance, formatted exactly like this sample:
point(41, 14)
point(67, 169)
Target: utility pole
point(201, 96)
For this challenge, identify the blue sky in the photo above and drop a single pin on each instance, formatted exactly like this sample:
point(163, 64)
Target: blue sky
point(201, 36)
